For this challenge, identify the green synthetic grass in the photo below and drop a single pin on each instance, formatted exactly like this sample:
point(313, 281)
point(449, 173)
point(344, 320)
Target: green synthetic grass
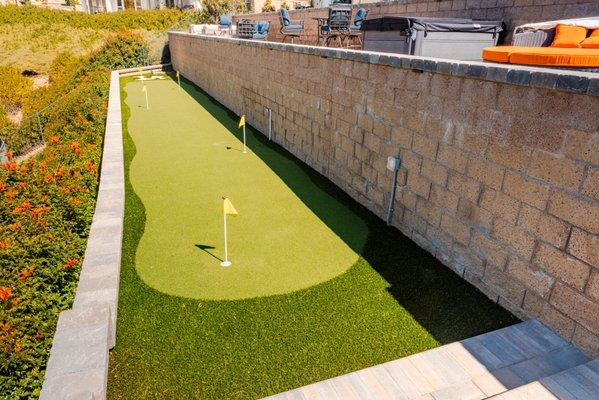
point(289, 235)
point(394, 301)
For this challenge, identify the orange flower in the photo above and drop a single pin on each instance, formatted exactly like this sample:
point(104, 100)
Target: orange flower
point(38, 336)
point(15, 227)
point(48, 178)
point(10, 194)
point(76, 201)
point(3, 186)
point(76, 149)
point(3, 244)
point(90, 166)
point(10, 155)
point(10, 166)
point(54, 139)
point(71, 262)
point(24, 207)
point(36, 212)
point(5, 293)
point(14, 302)
point(18, 346)
point(26, 273)
point(22, 185)
point(43, 166)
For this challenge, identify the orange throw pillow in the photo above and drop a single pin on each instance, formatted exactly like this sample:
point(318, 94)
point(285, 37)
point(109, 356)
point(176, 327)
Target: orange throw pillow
point(568, 36)
point(592, 42)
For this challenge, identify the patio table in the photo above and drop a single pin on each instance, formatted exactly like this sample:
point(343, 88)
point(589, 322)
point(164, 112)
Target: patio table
point(321, 35)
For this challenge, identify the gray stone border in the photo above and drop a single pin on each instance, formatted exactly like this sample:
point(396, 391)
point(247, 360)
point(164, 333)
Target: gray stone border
point(78, 363)
point(544, 78)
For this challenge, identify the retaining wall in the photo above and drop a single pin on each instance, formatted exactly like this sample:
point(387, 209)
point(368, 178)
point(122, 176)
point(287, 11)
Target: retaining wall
point(500, 176)
point(512, 12)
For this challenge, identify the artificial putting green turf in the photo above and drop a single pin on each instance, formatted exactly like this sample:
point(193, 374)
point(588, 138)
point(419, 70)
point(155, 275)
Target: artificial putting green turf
point(394, 301)
point(186, 161)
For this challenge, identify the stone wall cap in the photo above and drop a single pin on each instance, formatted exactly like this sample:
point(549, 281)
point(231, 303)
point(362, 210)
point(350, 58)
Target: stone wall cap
point(538, 77)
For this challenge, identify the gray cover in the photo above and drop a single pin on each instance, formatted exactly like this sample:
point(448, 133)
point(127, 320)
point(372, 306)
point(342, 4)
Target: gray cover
point(432, 25)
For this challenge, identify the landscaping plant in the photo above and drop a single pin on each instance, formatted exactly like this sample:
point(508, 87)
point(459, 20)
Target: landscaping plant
point(46, 208)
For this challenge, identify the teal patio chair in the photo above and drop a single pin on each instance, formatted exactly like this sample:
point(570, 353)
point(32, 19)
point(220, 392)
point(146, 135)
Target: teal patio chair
point(290, 27)
point(260, 31)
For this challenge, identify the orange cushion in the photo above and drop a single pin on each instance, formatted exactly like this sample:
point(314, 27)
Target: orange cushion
point(499, 53)
point(592, 42)
point(569, 36)
point(543, 56)
point(559, 57)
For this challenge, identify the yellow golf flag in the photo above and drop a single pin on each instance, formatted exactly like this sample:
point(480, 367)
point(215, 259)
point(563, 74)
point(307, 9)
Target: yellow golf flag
point(241, 121)
point(228, 207)
point(144, 88)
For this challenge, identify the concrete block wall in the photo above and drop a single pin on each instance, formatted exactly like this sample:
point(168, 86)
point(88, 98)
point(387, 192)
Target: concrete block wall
point(512, 12)
point(500, 171)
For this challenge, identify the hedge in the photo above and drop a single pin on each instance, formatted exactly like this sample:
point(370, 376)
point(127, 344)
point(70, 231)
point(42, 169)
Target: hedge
point(152, 20)
point(46, 208)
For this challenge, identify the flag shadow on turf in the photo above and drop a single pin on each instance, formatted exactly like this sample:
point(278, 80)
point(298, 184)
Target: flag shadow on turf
point(205, 248)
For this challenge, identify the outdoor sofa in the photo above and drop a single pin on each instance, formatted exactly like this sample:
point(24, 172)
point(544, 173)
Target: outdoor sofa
point(564, 43)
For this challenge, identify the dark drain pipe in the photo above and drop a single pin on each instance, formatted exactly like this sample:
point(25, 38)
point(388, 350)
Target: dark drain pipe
point(393, 164)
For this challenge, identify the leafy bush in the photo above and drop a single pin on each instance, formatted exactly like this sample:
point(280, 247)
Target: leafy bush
point(46, 207)
point(151, 20)
point(268, 6)
point(14, 87)
point(125, 50)
point(216, 8)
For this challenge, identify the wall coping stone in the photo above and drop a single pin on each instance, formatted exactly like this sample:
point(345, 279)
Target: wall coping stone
point(536, 77)
point(78, 363)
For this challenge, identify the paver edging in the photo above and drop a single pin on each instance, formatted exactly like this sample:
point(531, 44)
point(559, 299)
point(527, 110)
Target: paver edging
point(78, 363)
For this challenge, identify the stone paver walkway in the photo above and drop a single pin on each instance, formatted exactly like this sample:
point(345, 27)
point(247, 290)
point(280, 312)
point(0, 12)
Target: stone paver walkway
point(523, 357)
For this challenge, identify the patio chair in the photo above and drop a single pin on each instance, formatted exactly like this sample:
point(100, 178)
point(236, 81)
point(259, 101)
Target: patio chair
point(260, 30)
point(225, 22)
point(338, 23)
point(355, 29)
point(290, 27)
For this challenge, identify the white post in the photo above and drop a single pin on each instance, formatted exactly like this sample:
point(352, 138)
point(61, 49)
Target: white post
point(244, 145)
point(147, 104)
point(179, 80)
point(226, 262)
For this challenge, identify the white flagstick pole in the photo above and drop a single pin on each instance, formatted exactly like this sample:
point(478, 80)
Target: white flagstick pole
point(244, 145)
point(179, 80)
point(226, 262)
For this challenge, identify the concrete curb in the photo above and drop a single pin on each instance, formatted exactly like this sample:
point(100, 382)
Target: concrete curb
point(78, 363)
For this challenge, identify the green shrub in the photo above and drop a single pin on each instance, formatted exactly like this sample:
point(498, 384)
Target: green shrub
point(268, 6)
point(124, 50)
point(151, 20)
point(14, 87)
point(46, 207)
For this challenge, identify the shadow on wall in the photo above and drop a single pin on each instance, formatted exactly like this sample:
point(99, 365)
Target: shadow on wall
point(447, 306)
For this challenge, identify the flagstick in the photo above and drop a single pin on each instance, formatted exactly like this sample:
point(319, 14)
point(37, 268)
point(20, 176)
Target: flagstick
point(225, 263)
point(179, 80)
point(147, 104)
point(244, 145)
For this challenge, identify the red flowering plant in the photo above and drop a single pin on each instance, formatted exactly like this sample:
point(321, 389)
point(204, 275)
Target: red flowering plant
point(46, 208)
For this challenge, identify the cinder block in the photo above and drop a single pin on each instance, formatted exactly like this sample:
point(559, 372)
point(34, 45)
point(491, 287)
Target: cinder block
point(584, 246)
point(527, 191)
point(557, 170)
point(578, 211)
point(577, 306)
point(521, 242)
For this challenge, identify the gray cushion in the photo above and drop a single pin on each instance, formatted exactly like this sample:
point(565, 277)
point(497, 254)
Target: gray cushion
point(294, 28)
